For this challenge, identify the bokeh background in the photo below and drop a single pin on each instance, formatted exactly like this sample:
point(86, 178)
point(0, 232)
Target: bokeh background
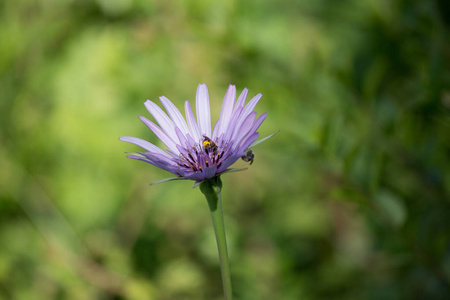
point(351, 200)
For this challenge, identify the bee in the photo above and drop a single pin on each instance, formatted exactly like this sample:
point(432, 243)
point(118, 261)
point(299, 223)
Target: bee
point(249, 156)
point(209, 145)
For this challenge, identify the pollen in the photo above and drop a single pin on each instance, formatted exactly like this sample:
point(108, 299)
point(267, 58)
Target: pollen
point(206, 144)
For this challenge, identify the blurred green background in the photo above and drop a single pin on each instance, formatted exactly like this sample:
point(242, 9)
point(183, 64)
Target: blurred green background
point(351, 200)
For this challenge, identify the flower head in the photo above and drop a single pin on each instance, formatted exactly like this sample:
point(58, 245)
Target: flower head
point(193, 150)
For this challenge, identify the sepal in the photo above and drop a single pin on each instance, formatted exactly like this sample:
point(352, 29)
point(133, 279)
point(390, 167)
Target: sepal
point(262, 140)
point(167, 179)
point(233, 170)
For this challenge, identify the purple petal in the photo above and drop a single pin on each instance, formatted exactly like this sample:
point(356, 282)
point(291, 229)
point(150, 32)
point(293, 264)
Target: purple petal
point(249, 108)
point(201, 161)
point(255, 127)
point(236, 113)
point(228, 162)
point(258, 122)
point(163, 120)
point(248, 142)
point(197, 176)
point(232, 159)
point(182, 151)
point(203, 111)
point(241, 100)
point(175, 115)
point(227, 109)
point(171, 153)
point(191, 142)
point(160, 134)
point(143, 144)
point(159, 164)
point(163, 163)
point(233, 123)
point(244, 129)
point(216, 130)
point(210, 172)
point(206, 173)
point(181, 137)
point(156, 157)
point(191, 121)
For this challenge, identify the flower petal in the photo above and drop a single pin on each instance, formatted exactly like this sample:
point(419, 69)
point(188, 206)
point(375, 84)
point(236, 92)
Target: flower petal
point(255, 127)
point(244, 146)
point(156, 157)
point(160, 164)
point(258, 122)
point(238, 107)
point(210, 172)
point(169, 142)
point(248, 108)
point(228, 162)
point(175, 115)
point(241, 100)
point(181, 137)
point(143, 144)
point(203, 111)
point(227, 109)
point(191, 121)
point(244, 128)
point(163, 120)
point(237, 154)
point(197, 176)
point(215, 130)
point(233, 124)
point(191, 142)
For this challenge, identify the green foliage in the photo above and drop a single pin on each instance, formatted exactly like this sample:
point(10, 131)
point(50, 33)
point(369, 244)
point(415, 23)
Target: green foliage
point(350, 200)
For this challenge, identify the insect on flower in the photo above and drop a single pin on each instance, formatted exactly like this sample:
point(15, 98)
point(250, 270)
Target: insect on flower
point(249, 156)
point(209, 145)
point(194, 151)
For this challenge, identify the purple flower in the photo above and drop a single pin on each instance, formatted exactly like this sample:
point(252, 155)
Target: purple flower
point(193, 151)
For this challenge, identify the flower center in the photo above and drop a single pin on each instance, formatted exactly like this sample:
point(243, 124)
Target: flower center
point(205, 154)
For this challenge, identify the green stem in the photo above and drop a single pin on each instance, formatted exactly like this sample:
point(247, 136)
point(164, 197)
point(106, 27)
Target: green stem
point(211, 188)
